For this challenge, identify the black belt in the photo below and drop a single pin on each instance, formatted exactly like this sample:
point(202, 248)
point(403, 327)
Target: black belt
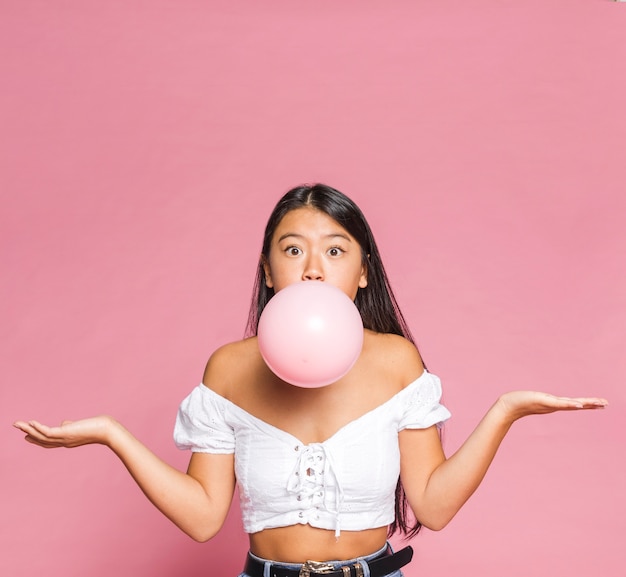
point(380, 566)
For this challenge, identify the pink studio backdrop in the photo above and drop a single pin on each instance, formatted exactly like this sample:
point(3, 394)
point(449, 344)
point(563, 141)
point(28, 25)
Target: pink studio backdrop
point(143, 145)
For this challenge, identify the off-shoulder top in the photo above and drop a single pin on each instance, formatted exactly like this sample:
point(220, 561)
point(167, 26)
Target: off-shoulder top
point(347, 482)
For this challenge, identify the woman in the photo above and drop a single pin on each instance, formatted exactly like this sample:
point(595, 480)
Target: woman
point(324, 474)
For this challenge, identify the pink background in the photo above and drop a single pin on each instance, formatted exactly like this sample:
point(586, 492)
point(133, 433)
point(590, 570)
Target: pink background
point(142, 147)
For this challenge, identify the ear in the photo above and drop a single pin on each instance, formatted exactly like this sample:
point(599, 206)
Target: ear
point(363, 279)
point(268, 274)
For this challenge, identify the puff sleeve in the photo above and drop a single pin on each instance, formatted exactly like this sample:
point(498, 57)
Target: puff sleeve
point(422, 407)
point(201, 423)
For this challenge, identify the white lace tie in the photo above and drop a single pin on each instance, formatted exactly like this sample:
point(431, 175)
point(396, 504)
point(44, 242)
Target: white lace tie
point(310, 479)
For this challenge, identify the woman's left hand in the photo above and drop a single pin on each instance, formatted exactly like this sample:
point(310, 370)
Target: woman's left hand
point(518, 404)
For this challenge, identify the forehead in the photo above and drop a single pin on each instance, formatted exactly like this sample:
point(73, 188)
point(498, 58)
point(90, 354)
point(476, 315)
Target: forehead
point(308, 221)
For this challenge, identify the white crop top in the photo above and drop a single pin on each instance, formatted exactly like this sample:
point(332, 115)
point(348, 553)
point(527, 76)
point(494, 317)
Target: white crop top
point(347, 482)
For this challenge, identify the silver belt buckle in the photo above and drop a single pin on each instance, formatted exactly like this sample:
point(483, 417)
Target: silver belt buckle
point(315, 567)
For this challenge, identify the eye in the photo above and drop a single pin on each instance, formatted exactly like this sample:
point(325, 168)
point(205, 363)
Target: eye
point(335, 251)
point(293, 251)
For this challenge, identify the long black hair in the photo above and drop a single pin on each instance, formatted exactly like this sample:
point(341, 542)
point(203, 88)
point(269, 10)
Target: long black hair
point(376, 303)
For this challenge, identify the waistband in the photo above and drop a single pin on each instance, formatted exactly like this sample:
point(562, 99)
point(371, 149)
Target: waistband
point(380, 563)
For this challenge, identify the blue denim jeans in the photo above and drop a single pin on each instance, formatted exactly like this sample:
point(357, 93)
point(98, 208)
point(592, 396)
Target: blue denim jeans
point(337, 564)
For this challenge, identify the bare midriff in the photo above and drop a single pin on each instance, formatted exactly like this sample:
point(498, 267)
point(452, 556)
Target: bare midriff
point(300, 543)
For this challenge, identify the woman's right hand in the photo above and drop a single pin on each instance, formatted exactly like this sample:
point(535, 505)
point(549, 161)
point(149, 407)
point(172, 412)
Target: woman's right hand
point(69, 433)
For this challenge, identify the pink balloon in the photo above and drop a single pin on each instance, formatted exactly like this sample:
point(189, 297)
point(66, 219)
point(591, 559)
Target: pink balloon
point(310, 334)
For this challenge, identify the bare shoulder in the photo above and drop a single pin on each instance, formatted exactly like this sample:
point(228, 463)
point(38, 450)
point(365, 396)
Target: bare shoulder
point(229, 364)
point(398, 355)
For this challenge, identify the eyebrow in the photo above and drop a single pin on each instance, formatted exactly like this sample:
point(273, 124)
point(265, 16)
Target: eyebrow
point(331, 235)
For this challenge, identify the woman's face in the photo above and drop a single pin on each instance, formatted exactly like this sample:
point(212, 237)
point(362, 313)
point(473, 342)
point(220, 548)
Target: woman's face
point(310, 245)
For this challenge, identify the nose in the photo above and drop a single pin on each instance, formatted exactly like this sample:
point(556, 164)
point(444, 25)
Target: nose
point(313, 269)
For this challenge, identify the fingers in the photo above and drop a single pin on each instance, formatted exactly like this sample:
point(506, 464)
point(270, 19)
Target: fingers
point(25, 427)
point(40, 428)
point(41, 442)
point(39, 434)
point(591, 402)
point(563, 403)
point(574, 403)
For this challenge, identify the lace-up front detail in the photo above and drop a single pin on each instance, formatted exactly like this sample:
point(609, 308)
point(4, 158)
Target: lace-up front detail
point(315, 485)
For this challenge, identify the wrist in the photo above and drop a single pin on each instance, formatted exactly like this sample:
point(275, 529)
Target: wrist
point(504, 411)
point(112, 432)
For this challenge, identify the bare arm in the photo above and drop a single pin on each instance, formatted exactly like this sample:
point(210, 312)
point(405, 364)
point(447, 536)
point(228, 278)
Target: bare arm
point(437, 487)
point(196, 501)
